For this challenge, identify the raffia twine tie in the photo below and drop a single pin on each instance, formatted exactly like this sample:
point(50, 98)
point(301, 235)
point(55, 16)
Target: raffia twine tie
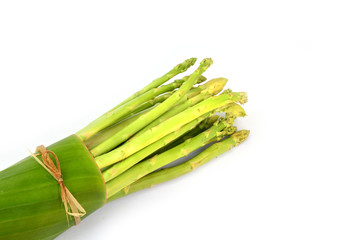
point(69, 201)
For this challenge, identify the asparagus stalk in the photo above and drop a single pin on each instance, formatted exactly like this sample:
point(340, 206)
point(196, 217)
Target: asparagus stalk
point(167, 174)
point(180, 68)
point(144, 120)
point(147, 166)
point(170, 125)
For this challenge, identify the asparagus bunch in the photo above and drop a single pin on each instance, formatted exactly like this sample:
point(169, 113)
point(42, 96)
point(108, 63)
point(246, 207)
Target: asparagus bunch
point(132, 145)
point(133, 142)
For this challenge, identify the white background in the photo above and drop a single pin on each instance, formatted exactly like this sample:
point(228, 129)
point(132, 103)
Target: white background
point(63, 63)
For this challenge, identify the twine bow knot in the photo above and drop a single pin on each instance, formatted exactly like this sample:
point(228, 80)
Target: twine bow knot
point(69, 201)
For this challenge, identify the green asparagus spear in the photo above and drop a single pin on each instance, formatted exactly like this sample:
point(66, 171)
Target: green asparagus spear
point(167, 174)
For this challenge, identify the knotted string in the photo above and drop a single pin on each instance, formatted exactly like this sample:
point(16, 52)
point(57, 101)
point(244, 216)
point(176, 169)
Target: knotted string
point(67, 198)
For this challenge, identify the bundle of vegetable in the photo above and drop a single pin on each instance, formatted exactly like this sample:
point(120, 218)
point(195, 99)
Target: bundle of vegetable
point(123, 151)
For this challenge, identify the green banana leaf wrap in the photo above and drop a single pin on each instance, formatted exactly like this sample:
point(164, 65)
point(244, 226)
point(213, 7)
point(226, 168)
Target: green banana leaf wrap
point(30, 198)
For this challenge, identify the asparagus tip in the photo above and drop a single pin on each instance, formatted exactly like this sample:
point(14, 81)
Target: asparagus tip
point(206, 63)
point(214, 86)
point(201, 79)
point(240, 97)
point(235, 110)
point(243, 97)
point(231, 130)
point(240, 136)
point(182, 67)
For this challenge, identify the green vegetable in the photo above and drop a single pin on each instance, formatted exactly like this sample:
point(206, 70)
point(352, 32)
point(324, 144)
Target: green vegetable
point(123, 151)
